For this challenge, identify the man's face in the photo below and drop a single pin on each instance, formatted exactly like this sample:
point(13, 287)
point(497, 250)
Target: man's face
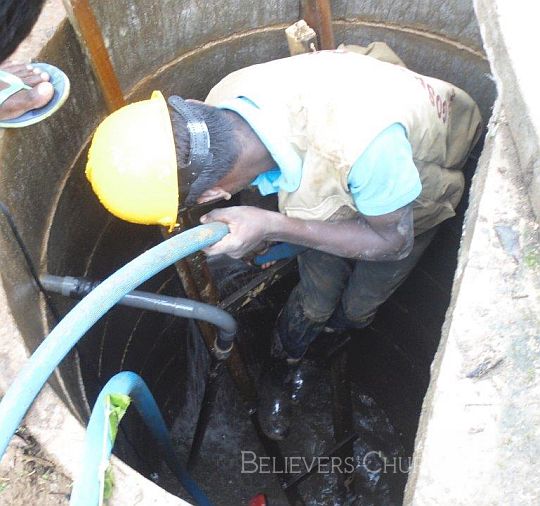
point(253, 159)
point(232, 183)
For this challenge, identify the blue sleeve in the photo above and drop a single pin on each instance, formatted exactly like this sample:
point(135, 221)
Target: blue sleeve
point(384, 177)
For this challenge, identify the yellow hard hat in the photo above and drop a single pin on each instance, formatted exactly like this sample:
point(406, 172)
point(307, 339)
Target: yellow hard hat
point(132, 163)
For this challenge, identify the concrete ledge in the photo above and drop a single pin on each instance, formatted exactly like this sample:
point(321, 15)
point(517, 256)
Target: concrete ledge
point(478, 442)
point(509, 30)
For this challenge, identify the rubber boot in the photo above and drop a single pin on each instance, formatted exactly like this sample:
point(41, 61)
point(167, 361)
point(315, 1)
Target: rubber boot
point(282, 379)
point(275, 392)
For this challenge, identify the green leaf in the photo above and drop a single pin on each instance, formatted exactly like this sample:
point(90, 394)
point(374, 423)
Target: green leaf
point(117, 405)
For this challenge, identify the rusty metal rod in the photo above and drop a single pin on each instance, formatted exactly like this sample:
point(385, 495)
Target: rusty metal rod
point(204, 289)
point(208, 294)
point(342, 416)
point(318, 15)
point(89, 33)
point(213, 381)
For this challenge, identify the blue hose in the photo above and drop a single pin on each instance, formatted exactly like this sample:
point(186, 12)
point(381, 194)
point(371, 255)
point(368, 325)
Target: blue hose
point(279, 251)
point(87, 488)
point(88, 311)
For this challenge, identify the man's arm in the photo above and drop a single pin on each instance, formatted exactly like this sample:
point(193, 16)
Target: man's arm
point(376, 238)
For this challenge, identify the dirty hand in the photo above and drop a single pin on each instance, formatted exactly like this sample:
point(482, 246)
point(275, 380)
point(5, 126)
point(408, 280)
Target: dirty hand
point(248, 227)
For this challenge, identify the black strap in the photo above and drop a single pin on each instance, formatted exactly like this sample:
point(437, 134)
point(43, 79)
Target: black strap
point(199, 138)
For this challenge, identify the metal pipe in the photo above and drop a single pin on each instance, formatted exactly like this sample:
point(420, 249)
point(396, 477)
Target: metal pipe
point(342, 418)
point(272, 449)
point(198, 285)
point(186, 308)
point(177, 306)
point(336, 451)
point(89, 33)
point(318, 15)
point(52, 308)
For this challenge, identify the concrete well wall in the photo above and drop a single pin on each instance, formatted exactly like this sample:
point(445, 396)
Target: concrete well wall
point(185, 47)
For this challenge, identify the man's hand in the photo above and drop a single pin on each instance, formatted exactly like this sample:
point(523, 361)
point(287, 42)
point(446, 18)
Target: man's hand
point(248, 226)
point(386, 237)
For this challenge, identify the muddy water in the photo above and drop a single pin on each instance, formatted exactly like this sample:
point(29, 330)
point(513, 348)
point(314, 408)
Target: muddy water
point(233, 466)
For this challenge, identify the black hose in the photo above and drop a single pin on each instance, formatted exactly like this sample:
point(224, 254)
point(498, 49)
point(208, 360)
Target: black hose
point(177, 306)
point(28, 260)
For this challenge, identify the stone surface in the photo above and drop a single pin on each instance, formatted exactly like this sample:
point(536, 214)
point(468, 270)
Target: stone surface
point(142, 36)
point(510, 35)
point(452, 20)
point(29, 477)
point(52, 15)
point(478, 440)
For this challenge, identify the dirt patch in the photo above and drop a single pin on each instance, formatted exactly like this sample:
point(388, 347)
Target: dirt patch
point(52, 14)
point(28, 477)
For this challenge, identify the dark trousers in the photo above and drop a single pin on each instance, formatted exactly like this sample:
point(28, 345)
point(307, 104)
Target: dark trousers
point(339, 293)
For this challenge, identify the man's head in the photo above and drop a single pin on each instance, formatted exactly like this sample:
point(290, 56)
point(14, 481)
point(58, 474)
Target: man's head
point(147, 160)
point(237, 155)
point(195, 123)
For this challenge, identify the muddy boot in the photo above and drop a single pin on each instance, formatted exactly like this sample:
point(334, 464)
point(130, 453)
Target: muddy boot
point(275, 391)
point(281, 381)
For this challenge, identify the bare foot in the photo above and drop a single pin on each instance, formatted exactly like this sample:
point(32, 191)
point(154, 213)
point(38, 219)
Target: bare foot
point(41, 93)
point(267, 265)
